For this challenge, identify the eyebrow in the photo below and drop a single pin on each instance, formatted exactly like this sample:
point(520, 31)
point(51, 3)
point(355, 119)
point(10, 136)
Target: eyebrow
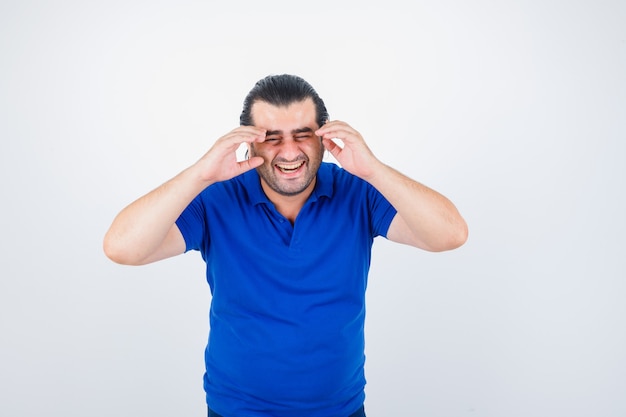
point(293, 132)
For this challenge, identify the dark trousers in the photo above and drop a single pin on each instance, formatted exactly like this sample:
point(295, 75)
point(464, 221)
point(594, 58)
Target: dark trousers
point(359, 413)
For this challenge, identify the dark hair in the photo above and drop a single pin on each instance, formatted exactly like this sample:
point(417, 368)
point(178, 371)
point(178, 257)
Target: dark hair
point(282, 90)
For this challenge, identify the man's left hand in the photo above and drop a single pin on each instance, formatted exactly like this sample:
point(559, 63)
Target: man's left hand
point(355, 156)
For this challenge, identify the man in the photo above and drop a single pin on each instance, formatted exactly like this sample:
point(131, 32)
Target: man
point(287, 241)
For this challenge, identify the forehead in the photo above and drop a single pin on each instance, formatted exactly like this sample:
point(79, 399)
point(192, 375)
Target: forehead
point(295, 115)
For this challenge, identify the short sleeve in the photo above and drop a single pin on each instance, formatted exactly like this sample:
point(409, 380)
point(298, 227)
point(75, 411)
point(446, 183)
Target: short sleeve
point(192, 224)
point(381, 212)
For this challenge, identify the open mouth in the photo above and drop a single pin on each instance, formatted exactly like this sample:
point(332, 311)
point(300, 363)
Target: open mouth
point(289, 168)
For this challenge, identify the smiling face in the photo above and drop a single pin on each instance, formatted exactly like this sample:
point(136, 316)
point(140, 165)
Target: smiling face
point(291, 151)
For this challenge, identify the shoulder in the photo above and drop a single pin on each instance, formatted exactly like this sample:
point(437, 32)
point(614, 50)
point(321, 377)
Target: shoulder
point(242, 188)
point(344, 182)
point(338, 176)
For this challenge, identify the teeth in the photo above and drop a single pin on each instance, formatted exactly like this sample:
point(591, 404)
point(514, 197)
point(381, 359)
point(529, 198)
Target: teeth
point(290, 167)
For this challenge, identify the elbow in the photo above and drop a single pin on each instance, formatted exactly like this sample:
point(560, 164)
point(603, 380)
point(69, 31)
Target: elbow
point(460, 236)
point(117, 252)
point(454, 239)
point(113, 253)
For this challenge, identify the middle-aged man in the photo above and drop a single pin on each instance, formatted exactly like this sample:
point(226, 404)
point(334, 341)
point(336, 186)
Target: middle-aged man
point(287, 242)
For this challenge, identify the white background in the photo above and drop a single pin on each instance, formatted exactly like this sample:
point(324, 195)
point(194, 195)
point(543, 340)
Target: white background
point(515, 110)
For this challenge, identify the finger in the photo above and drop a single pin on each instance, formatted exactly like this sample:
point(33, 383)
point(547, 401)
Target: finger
point(243, 135)
point(335, 127)
point(332, 147)
point(250, 129)
point(328, 126)
point(250, 133)
point(345, 134)
point(333, 123)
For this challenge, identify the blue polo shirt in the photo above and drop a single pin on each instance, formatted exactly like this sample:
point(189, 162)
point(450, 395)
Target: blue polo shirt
point(288, 301)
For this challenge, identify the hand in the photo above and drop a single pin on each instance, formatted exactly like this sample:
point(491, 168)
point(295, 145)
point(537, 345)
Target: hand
point(220, 162)
point(355, 156)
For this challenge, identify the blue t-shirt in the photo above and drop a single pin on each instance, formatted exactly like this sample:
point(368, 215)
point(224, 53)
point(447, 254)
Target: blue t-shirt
point(288, 301)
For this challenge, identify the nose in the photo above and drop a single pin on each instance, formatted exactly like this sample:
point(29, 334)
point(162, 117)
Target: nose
point(290, 149)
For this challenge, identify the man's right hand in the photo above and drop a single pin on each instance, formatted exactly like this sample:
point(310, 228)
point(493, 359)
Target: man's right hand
point(220, 162)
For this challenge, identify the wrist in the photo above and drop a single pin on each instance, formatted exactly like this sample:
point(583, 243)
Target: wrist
point(376, 170)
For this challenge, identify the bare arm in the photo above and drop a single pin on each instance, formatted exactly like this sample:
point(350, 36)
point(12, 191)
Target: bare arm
point(425, 218)
point(145, 231)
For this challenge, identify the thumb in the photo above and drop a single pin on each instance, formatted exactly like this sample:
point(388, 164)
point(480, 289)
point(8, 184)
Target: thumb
point(248, 164)
point(332, 147)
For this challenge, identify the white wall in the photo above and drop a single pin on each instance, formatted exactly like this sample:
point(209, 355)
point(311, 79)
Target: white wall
point(514, 110)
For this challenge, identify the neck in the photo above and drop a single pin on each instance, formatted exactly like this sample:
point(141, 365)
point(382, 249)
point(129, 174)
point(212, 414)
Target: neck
point(288, 205)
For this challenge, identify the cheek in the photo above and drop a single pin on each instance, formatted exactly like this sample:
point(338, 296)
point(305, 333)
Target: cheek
point(316, 148)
